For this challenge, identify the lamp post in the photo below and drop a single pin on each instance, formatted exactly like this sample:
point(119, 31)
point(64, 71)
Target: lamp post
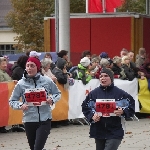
point(64, 26)
point(147, 7)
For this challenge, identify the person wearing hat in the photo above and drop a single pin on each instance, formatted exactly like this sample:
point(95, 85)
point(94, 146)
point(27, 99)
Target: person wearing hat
point(34, 54)
point(103, 55)
point(38, 93)
point(107, 128)
point(84, 70)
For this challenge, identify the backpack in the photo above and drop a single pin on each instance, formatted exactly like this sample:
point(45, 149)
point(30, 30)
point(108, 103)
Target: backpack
point(74, 72)
point(75, 75)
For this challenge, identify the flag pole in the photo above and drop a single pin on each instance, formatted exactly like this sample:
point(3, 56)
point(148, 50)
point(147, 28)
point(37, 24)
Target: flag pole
point(104, 6)
point(147, 7)
point(87, 6)
point(57, 25)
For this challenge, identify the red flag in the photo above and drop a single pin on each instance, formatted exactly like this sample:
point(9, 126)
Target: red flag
point(95, 6)
point(111, 4)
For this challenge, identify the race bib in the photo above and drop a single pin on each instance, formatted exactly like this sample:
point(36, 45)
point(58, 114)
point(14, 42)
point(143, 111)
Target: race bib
point(35, 97)
point(105, 107)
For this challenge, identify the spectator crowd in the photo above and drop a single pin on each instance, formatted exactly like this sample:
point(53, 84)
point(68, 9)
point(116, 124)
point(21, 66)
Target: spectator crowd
point(64, 72)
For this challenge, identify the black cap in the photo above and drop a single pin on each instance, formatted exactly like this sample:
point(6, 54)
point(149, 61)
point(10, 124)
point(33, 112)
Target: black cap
point(109, 72)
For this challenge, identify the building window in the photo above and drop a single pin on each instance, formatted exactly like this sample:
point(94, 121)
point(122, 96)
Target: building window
point(7, 49)
point(1, 47)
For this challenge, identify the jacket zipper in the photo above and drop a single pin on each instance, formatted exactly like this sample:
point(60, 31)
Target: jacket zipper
point(105, 117)
point(37, 106)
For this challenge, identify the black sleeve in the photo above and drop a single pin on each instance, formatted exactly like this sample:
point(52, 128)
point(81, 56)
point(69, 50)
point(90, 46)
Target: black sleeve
point(115, 70)
point(17, 74)
point(52, 66)
point(129, 73)
point(61, 77)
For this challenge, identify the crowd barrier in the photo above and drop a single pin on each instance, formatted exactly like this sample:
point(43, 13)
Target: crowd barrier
point(78, 92)
point(69, 106)
point(144, 96)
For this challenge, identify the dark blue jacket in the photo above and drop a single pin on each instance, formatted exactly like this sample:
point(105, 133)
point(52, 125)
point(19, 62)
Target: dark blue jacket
point(107, 127)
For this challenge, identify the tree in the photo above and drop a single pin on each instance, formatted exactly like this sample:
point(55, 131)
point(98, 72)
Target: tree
point(26, 19)
point(77, 6)
point(138, 6)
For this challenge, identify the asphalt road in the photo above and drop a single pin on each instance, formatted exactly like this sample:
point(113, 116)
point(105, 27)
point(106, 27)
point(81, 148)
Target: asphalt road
point(76, 137)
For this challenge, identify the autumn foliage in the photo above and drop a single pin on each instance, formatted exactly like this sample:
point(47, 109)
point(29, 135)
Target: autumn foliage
point(27, 20)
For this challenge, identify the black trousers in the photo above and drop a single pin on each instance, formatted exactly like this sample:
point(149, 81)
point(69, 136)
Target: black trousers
point(107, 144)
point(37, 133)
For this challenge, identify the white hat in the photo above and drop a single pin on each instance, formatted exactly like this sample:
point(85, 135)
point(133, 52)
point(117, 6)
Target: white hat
point(85, 61)
point(34, 54)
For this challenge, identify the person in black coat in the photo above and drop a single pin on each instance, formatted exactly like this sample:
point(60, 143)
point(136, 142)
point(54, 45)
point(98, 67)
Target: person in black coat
point(19, 67)
point(106, 128)
point(117, 69)
point(64, 54)
point(136, 70)
point(61, 74)
point(130, 74)
point(60, 71)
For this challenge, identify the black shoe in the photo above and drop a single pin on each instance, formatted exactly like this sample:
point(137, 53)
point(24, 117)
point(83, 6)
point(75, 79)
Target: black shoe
point(3, 130)
point(17, 129)
point(65, 123)
point(129, 119)
point(55, 124)
point(77, 123)
point(21, 125)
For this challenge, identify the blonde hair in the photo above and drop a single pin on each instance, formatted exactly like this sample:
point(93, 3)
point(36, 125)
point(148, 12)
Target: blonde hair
point(117, 59)
point(95, 59)
point(125, 58)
